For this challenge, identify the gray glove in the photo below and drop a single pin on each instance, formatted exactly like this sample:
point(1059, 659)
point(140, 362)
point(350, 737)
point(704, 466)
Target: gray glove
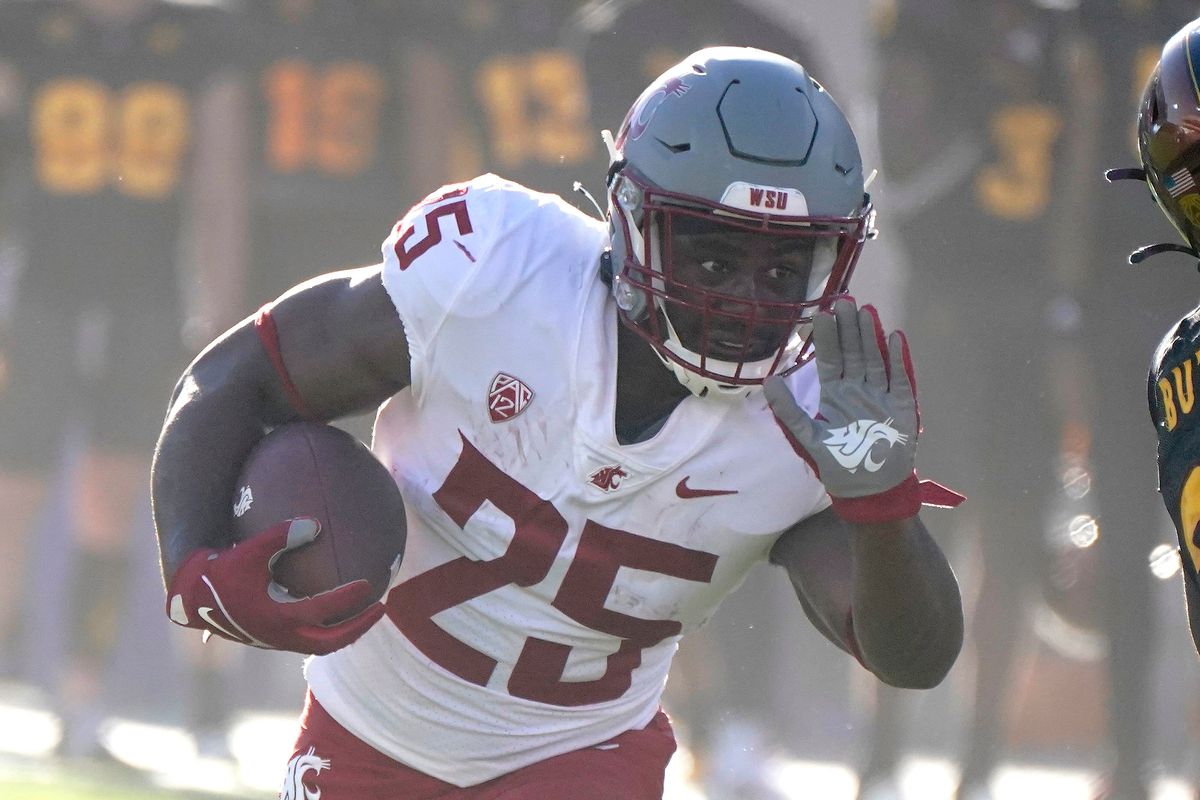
point(863, 442)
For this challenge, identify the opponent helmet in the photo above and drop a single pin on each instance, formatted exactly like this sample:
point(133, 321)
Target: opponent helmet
point(742, 140)
point(1169, 140)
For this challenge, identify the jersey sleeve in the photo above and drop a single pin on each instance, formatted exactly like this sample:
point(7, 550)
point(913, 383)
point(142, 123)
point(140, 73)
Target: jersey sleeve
point(478, 250)
point(1171, 395)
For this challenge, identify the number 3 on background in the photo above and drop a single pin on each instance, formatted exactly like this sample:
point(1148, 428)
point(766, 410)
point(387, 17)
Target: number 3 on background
point(539, 533)
point(1017, 185)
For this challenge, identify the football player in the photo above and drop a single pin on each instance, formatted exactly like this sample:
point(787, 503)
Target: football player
point(109, 108)
point(1169, 143)
point(1139, 73)
point(598, 427)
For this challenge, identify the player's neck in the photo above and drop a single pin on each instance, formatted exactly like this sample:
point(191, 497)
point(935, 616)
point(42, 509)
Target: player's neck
point(647, 392)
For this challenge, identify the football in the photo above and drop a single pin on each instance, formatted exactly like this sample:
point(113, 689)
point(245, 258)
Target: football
point(307, 469)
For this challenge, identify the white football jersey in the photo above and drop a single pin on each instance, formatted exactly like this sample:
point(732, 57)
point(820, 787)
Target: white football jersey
point(550, 571)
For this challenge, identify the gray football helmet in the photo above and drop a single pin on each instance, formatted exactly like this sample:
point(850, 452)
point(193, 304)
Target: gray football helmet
point(745, 140)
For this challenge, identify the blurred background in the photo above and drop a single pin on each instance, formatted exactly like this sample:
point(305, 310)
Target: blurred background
point(167, 168)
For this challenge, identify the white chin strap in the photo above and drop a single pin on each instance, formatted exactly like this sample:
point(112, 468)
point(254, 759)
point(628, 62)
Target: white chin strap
point(704, 386)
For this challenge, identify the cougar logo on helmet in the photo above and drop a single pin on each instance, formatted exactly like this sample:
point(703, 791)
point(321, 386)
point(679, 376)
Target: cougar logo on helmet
point(640, 118)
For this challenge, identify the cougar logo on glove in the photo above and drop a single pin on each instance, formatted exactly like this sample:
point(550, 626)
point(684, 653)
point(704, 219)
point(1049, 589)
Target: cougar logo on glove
point(300, 765)
point(851, 445)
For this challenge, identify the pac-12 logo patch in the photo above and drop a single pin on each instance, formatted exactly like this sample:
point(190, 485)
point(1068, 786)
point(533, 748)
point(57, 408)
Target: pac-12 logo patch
point(507, 397)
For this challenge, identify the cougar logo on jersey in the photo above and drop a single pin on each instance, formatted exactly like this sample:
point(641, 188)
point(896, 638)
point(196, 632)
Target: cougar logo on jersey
point(300, 765)
point(851, 445)
point(507, 397)
point(608, 478)
point(245, 500)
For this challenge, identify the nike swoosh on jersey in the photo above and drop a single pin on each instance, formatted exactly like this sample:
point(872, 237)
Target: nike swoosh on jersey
point(687, 493)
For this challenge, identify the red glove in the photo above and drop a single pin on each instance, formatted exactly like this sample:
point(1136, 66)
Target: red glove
point(231, 593)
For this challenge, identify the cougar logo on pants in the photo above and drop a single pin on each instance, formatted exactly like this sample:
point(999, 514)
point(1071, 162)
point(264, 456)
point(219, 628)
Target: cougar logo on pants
point(301, 764)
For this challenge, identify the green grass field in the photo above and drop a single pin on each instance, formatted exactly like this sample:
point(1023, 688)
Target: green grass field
point(66, 791)
point(58, 781)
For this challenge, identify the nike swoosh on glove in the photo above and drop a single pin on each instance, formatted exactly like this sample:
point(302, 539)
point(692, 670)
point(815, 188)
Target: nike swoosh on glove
point(863, 442)
point(230, 592)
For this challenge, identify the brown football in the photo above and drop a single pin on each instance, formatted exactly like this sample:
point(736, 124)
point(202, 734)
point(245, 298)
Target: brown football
point(307, 469)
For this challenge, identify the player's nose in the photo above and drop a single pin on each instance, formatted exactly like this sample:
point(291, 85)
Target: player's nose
point(741, 283)
point(741, 289)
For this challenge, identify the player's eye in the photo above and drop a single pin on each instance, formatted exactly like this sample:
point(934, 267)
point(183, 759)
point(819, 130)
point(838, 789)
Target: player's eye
point(783, 274)
point(715, 266)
